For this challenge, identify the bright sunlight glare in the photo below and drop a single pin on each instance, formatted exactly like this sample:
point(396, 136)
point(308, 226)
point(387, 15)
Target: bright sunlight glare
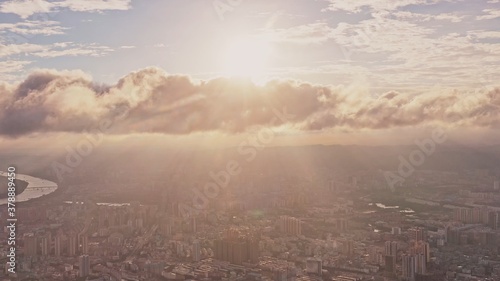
point(247, 57)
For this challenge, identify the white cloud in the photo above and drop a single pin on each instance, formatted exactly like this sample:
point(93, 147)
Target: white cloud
point(313, 33)
point(9, 69)
point(12, 49)
point(374, 5)
point(405, 52)
point(96, 5)
point(26, 8)
point(400, 48)
point(489, 14)
point(405, 15)
point(33, 28)
point(484, 34)
point(127, 47)
point(450, 17)
point(54, 50)
point(72, 49)
point(153, 101)
point(11, 66)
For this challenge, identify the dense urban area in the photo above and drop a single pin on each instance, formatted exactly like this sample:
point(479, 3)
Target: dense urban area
point(268, 220)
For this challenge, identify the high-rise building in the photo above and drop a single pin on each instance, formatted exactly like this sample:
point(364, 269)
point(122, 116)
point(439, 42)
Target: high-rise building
point(476, 215)
point(408, 267)
point(57, 245)
point(30, 245)
point(253, 250)
point(348, 247)
point(391, 248)
point(196, 251)
point(332, 186)
point(493, 219)
point(463, 215)
point(314, 266)
point(391, 253)
point(424, 249)
point(375, 255)
point(290, 225)
point(44, 245)
point(470, 215)
point(396, 230)
point(484, 214)
point(420, 264)
point(219, 249)
point(84, 244)
point(84, 263)
point(342, 225)
point(418, 234)
point(452, 235)
point(193, 225)
point(390, 263)
point(166, 227)
point(237, 250)
point(72, 245)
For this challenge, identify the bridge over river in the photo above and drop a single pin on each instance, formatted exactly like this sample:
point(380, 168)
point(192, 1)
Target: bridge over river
point(36, 188)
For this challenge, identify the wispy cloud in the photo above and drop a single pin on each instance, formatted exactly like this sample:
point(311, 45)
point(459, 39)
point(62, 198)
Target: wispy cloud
point(96, 5)
point(313, 33)
point(71, 49)
point(405, 15)
point(484, 34)
point(54, 50)
point(375, 5)
point(13, 49)
point(26, 8)
point(33, 28)
point(10, 68)
point(489, 14)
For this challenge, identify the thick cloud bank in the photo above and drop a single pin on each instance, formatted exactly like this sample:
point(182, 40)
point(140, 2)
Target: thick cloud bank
point(153, 101)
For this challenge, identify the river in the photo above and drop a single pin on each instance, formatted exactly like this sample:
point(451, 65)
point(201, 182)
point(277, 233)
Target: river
point(36, 188)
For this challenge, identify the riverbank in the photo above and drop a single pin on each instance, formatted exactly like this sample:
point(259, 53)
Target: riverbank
point(34, 188)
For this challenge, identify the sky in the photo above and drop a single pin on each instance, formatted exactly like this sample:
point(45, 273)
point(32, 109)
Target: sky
point(363, 71)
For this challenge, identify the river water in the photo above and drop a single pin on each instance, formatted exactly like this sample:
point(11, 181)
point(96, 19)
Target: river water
point(36, 188)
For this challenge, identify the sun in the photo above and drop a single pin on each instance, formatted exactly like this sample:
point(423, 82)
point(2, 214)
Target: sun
point(247, 57)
